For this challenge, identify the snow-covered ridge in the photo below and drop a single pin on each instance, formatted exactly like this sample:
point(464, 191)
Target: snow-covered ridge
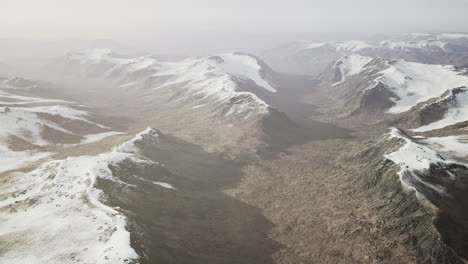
point(113, 60)
point(27, 123)
point(428, 44)
point(222, 76)
point(54, 214)
point(451, 145)
point(457, 110)
point(415, 83)
point(418, 155)
point(410, 84)
point(26, 118)
point(235, 64)
point(351, 65)
point(408, 42)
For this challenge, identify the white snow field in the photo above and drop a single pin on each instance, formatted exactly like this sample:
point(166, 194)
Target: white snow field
point(351, 65)
point(452, 145)
point(214, 76)
point(456, 113)
point(427, 44)
point(12, 160)
point(418, 155)
point(414, 157)
point(55, 214)
point(415, 83)
point(22, 117)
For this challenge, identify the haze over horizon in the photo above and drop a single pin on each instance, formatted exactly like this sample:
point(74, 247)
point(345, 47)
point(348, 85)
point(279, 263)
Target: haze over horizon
point(124, 20)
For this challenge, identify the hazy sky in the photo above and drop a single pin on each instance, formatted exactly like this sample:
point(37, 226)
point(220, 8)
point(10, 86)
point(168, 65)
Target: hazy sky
point(126, 19)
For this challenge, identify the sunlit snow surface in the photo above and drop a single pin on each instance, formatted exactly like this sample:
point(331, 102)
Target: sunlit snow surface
point(214, 76)
point(54, 214)
point(22, 117)
point(417, 156)
point(12, 160)
point(410, 45)
point(451, 145)
point(414, 83)
point(414, 157)
point(456, 113)
point(350, 65)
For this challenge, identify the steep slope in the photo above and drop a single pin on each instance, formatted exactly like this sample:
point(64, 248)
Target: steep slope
point(436, 168)
point(31, 126)
point(108, 197)
point(78, 227)
point(231, 79)
point(227, 92)
point(449, 109)
point(380, 87)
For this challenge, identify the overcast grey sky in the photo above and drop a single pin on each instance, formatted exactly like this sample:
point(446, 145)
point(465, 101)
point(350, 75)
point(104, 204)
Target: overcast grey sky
point(126, 19)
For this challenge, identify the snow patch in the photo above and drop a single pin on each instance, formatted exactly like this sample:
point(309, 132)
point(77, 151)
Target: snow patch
point(456, 113)
point(12, 160)
point(54, 214)
point(350, 65)
point(429, 44)
point(414, 157)
point(246, 67)
point(452, 145)
point(216, 76)
point(414, 83)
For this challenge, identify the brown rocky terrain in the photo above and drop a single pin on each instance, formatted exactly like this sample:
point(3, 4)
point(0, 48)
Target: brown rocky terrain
point(315, 188)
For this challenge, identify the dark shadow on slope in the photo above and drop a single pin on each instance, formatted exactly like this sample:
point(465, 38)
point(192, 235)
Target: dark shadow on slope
point(452, 219)
point(197, 223)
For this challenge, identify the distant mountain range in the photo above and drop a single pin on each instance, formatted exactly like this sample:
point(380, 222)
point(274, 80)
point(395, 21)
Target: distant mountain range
point(305, 57)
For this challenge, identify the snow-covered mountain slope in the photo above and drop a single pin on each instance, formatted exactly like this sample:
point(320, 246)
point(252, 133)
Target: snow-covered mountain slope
point(233, 79)
point(29, 125)
point(396, 87)
point(413, 83)
point(417, 156)
point(449, 109)
point(450, 145)
point(350, 65)
point(434, 45)
point(58, 209)
point(436, 168)
point(229, 95)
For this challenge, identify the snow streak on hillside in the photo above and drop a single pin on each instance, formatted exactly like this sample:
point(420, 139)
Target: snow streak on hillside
point(351, 65)
point(415, 83)
point(222, 77)
point(55, 214)
point(457, 112)
point(24, 121)
point(418, 155)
